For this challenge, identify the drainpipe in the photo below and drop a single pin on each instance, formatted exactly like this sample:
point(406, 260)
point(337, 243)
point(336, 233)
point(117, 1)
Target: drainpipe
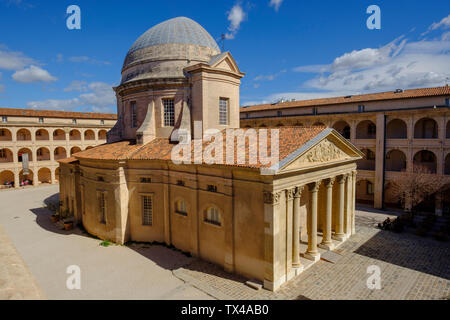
point(384, 164)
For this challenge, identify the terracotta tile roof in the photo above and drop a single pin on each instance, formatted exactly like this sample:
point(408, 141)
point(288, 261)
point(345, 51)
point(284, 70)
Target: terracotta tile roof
point(290, 139)
point(68, 160)
point(390, 95)
point(56, 114)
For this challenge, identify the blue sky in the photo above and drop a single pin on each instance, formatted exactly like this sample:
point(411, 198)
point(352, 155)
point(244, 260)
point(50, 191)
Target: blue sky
point(287, 48)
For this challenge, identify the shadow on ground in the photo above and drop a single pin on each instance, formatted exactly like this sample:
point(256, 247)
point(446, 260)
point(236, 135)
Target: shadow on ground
point(164, 256)
point(409, 251)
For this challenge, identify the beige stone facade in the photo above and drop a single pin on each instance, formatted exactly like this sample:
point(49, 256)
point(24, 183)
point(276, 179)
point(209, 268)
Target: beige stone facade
point(264, 221)
point(395, 130)
point(46, 137)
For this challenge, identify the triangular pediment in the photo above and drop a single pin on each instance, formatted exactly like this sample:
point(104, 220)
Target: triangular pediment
point(327, 148)
point(224, 61)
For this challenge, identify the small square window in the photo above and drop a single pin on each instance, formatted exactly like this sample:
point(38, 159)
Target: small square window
point(101, 179)
point(4, 119)
point(74, 121)
point(146, 180)
point(180, 183)
point(41, 120)
point(102, 122)
point(211, 188)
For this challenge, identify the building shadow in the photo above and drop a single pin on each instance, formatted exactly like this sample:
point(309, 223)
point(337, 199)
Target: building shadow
point(409, 251)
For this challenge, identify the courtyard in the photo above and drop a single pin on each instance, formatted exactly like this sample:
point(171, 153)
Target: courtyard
point(35, 254)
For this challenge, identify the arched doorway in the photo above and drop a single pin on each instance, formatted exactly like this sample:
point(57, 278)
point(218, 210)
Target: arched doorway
point(42, 135)
point(59, 135)
point(366, 130)
point(343, 128)
point(22, 152)
point(43, 154)
point(5, 135)
point(60, 153)
point(395, 161)
point(74, 150)
point(74, 135)
point(425, 162)
point(368, 162)
point(426, 128)
point(23, 135)
point(89, 135)
point(6, 178)
point(6, 155)
point(26, 179)
point(102, 134)
point(396, 129)
point(44, 175)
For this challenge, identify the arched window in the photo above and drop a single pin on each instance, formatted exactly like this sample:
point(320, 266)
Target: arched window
point(180, 207)
point(213, 216)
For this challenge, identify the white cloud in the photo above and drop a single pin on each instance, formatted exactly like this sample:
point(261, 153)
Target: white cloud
point(269, 77)
point(275, 4)
point(76, 85)
point(86, 59)
point(100, 97)
point(235, 16)
point(33, 74)
point(13, 60)
point(398, 64)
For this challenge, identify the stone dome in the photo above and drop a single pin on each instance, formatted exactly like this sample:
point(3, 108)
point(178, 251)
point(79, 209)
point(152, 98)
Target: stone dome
point(180, 40)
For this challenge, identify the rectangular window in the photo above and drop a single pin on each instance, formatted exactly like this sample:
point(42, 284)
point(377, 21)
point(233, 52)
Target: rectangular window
point(133, 115)
point(2, 153)
point(211, 188)
point(169, 113)
point(223, 111)
point(41, 120)
point(102, 206)
point(146, 180)
point(147, 210)
point(213, 216)
point(4, 119)
point(369, 188)
point(361, 108)
point(102, 122)
point(447, 102)
point(74, 121)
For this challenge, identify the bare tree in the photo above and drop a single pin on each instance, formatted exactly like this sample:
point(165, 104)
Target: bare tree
point(413, 187)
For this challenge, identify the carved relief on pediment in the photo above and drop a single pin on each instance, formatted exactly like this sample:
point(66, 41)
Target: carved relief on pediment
point(325, 151)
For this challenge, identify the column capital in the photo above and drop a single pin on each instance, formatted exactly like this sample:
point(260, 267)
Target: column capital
point(272, 198)
point(290, 193)
point(298, 191)
point(342, 178)
point(330, 182)
point(314, 186)
point(354, 173)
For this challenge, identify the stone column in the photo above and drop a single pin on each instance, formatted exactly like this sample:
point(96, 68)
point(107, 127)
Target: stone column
point(327, 244)
point(16, 178)
point(354, 173)
point(379, 162)
point(312, 253)
point(53, 175)
point(289, 194)
point(339, 235)
point(296, 232)
point(348, 206)
point(274, 275)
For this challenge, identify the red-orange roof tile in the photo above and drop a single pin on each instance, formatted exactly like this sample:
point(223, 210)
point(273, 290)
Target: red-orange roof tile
point(56, 114)
point(290, 139)
point(390, 95)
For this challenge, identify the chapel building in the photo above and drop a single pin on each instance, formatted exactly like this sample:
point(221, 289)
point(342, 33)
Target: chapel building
point(265, 221)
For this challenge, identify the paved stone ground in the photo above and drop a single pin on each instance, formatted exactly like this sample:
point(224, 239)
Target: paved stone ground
point(411, 267)
point(16, 281)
